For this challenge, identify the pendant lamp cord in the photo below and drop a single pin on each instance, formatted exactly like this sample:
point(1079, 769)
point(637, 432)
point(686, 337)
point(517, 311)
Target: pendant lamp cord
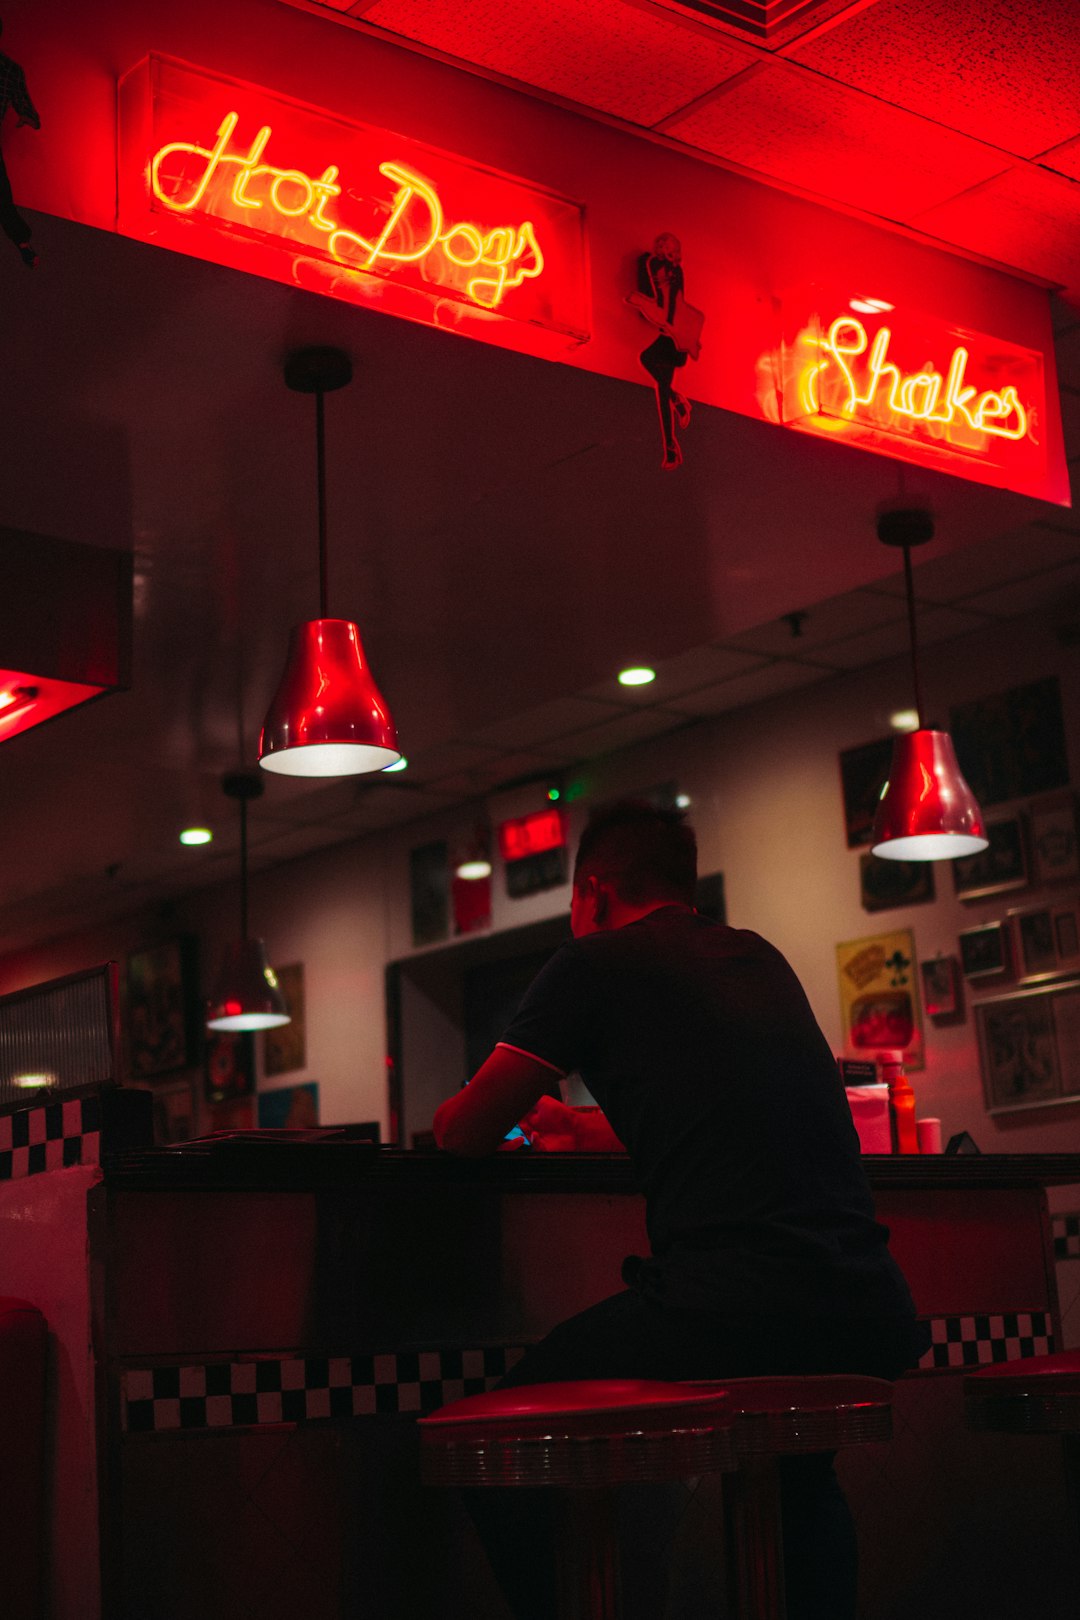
point(910, 583)
point(320, 457)
point(243, 871)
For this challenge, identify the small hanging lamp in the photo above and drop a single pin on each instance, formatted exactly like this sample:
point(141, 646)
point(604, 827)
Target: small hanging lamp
point(927, 811)
point(247, 994)
point(327, 717)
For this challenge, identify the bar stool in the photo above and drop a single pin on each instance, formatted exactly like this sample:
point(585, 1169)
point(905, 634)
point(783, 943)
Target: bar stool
point(773, 1418)
point(22, 1457)
point(1034, 1395)
point(585, 1436)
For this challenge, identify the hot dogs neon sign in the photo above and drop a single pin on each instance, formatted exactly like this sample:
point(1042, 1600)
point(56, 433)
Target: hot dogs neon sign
point(413, 229)
point(239, 175)
point(914, 386)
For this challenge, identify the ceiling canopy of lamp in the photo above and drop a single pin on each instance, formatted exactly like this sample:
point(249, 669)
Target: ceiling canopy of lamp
point(327, 717)
point(927, 811)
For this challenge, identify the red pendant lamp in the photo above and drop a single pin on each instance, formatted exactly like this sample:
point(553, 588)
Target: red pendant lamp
point(328, 717)
point(927, 811)
point(247, 994)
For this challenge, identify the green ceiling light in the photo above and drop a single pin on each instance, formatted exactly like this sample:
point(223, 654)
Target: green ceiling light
point(638, 675)
point(196, 835)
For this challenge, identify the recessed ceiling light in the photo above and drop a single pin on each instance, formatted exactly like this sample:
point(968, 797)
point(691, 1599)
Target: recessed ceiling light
point(904, 720)
point(398, 765)
point(33, 1082)
point(471, 871)
point(639, 676)
point(196, 835)
point(682, 801)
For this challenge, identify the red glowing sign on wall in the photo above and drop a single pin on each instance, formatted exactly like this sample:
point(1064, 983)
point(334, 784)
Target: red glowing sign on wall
point(238, 175)
point(532, 835)
point(913, 386)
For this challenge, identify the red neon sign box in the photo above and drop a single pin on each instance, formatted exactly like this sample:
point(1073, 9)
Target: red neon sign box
point(236, 174)
point(906, 384)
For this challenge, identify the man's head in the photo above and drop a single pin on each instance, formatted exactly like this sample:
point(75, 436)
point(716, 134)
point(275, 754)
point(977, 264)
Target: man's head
point(632, 858)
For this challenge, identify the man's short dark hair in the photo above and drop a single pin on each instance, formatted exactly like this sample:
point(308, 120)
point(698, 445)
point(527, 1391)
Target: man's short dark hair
point(645, 853)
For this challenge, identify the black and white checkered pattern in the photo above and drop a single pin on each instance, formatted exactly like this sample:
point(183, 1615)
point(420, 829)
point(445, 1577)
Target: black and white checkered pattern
point(53, 1137)
point(975, 1341)
point(1066, 1230)
point(304, 1389)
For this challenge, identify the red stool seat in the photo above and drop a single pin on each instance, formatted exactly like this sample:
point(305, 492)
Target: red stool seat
point(22, 1457)
point(1034, 1395)
point(593, 1432)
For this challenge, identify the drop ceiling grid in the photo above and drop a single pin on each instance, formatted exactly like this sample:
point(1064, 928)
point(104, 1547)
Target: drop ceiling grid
point(605, 54)
point(1004, 71)
point(1026, 217)
point(836, 142)
point(721, 14)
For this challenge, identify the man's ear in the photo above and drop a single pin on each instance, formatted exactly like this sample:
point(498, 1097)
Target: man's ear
point(601, 901)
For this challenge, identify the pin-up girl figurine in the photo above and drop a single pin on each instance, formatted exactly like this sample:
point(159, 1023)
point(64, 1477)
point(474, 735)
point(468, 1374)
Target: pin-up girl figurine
point(659, 298)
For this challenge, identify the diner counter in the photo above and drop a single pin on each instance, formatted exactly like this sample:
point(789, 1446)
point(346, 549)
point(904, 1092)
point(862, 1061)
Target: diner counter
point(250, 1325)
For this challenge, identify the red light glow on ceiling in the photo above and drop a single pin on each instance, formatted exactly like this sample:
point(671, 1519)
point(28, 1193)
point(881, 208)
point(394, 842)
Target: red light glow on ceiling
point(343, 208)
point(28, 700)
point(532, 835)
point(916, 387)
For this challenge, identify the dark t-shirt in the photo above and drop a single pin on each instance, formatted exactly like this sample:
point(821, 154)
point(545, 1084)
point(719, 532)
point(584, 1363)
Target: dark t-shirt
point(700, 1046)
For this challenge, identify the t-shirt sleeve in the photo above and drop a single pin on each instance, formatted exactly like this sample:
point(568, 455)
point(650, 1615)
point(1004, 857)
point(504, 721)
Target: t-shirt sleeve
point(554, 1018)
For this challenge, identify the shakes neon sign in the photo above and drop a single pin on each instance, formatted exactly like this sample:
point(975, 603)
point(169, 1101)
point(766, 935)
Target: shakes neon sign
point(236, 174)
point(913, 386)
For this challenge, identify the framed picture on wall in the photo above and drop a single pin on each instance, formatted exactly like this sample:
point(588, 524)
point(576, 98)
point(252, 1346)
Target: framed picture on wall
point(879, 996)
point(863, 773)
point(1046, 942)
point(163, 1009)
point(1029, 1047)
point(984, 951)
point(285, 1047)
point(941, 987)
point(1054, 849)
point(1012, 745)
point(997, 869)
point(885, 885)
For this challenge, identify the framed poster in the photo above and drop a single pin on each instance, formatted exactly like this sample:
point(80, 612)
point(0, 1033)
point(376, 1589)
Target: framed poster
point(879, 998)
point(1046, 942)
point(941, 987)
point(996, 870)
point(229, 1069)
point(1055, 854)
point(294, 1108)
point(1013, 744)
point(885, 885)
point(429, 892)
point(285, 1046)
point(163, 1009)
point(1029, 1048)
point(984, 951)
point(863, 773)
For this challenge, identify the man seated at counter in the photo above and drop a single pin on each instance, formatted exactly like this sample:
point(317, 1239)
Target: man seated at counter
point(700, 1047)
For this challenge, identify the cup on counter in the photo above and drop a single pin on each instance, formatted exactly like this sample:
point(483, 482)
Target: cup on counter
point(928, 1132)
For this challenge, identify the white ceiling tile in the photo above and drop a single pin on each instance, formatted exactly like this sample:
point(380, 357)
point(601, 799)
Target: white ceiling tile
point(697, 667)
point(1004, 71)
point(963, 575)
point(616, 57)
point(1026, 217)
point(840, 143)
point(827, 622)
point(933, 624)
point(1056, 590)
point(548, 721)
point(631, 728)
point(444, 758)
point(752, 688)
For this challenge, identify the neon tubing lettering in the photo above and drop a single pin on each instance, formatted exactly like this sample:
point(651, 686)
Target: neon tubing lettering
point(923, 396)
point(504, 257)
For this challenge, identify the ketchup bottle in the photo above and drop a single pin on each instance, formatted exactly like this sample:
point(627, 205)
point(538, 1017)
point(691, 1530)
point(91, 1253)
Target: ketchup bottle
point(901, 1107)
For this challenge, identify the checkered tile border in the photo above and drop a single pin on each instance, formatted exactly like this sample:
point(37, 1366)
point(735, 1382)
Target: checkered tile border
point(50, 1138)
point(302, 1389)
point(1066, 1237)
point(973, 1341)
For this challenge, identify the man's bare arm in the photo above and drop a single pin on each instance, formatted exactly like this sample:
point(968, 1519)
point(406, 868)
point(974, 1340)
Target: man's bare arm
point(475, 1121)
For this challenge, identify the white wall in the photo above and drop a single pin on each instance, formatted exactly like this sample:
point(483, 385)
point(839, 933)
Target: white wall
point(764, 785)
